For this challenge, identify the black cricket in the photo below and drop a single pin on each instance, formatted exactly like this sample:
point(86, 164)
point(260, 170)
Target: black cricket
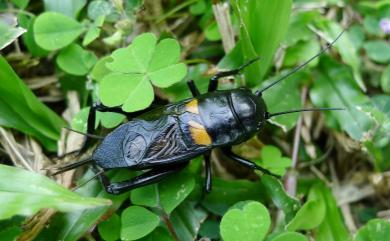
point(164, 140)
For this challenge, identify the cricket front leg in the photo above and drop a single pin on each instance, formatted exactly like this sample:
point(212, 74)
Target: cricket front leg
point(228, 152)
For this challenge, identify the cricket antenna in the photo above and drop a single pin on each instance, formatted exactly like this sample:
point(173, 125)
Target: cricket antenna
point(270, 115)
point(70, 166)
point(88, 180)
point(329, 45)
point(84, 134)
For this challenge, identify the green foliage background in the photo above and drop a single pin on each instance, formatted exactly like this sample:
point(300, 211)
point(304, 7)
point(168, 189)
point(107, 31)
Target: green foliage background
point(134, 54)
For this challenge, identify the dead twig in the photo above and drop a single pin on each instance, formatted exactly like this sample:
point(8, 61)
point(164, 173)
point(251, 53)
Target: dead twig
point(345, 208)
point(221, 12)
point(12, 148)
point(68, 142)
point(291, 177)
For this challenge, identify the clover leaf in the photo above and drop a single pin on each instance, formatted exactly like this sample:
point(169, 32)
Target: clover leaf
point(168, 194)
point(138, 66)
point(75, 60)
point(54, 31)
point(272, 159)
point(250, 222)
point(290, 236)
point(137, 222)
point(374, 230)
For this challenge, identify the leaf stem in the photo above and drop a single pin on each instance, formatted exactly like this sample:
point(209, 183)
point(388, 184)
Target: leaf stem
point(89, 237)
point(291, 178)
point(165, 216)
point(10, 10)
point(175, 9)
point(169, 224)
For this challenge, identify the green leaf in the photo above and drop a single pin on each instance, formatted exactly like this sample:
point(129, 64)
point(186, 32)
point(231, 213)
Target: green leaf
point(100, 70)
point(92, 34)
point(93, 31)
point(280, 197)
point(21, 3)
point(10, 234)
point(210, 229)
point(356, 35)
point(168, 194)
point(79, 121)
point(74, 225)
point(371, 25)
point(263, 24)
point(180, 91)
point(8, 34)
point(377, 111)
point(251, 223)
point(28, 37)
point(272, 160)
point(131, 90)
point(290, 236)
point(159, 234)
point(301, 52)
point(344, 45)
point(166, 77)
point(69, 8)
point(374, 5)
point(198, 7)
point(378, 50)
point(226, 193)
point(335, 87)
point(174, 190)
point(107, 119)
point(374, 230)
point(385, 80)
point(145, 196)
point(21, 109)
point(38, 192)
point(134, 67)
point(167, 53)
point(110, 229)
point(298, 28)
point(11, 228)
point(137, 222)
point(332, 228)
point(110, 119)
point(186, 220)
point(212, 32)
point(75, 60)
point(311, 214)
point(99, 8)
point(136, 57)
point(291, 99)
point(54, 31)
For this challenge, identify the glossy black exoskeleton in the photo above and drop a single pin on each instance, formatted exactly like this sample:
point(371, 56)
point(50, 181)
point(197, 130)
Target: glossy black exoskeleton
point(164, 140)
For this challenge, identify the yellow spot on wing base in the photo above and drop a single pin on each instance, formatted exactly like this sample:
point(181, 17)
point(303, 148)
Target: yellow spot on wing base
point(199, 133)
point(192, 106)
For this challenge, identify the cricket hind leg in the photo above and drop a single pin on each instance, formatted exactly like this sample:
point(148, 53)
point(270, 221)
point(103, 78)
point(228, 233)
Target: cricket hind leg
point(147, 178)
